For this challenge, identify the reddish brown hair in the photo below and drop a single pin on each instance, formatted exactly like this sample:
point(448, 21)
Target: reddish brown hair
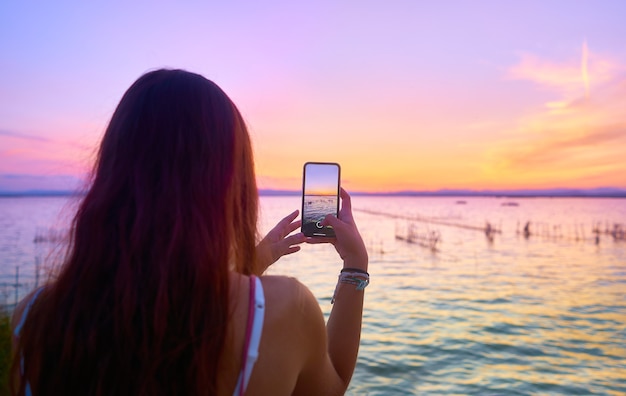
point(141, 303)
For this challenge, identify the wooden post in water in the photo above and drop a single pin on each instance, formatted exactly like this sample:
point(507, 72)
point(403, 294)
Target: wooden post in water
point(17, 282)
point(36, 271)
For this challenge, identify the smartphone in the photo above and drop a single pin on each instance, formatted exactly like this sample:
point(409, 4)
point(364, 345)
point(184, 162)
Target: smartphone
point(320, 197)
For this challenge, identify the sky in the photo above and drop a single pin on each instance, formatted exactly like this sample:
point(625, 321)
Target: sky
point(321, 179)
point(405, 95)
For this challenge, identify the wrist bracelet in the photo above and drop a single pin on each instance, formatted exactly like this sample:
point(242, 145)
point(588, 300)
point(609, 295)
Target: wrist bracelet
point(355, 270)
point(360, 279)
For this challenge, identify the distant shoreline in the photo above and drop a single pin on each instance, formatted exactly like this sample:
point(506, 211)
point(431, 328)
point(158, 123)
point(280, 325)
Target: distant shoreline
point(548, 193)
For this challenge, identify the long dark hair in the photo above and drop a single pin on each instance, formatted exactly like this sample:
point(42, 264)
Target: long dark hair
point(140, 305)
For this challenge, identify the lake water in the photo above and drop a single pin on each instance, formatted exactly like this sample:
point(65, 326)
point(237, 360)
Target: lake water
point(450, 309)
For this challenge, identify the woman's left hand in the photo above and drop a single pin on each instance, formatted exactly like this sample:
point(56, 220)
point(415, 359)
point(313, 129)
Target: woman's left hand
point(278, 242)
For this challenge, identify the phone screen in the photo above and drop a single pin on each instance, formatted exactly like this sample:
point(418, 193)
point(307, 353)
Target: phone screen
point(320, 196)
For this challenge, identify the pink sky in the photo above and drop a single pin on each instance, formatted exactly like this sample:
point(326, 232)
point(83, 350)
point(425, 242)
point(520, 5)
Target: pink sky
point(405, 95)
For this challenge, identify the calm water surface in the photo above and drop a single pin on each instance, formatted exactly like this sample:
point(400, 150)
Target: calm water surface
point(503, 316)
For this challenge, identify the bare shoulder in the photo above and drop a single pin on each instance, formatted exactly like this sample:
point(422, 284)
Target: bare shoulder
point(289, 293)
point(293, 306)
point(293, 311)
point(280, 281)
point(281, 284)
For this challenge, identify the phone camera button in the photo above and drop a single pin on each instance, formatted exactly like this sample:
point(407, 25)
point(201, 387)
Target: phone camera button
point(318, 224)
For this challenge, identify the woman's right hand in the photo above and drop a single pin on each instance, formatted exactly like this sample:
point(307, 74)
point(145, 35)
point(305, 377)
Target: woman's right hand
point(348, 241)
point(278, 242)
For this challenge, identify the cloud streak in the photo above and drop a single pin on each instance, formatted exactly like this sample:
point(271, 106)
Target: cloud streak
point(584, 67)
point(574, 138)
point(566, 148)
point(37, 138)
point(570, 78)
point(19, 135)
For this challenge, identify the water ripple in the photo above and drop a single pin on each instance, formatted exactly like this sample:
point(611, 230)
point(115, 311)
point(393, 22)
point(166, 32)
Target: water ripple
point(512, 317)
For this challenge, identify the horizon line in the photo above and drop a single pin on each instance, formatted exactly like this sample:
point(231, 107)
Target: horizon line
point(597, 192)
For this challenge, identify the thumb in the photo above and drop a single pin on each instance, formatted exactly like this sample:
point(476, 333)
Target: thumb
point(331, 220)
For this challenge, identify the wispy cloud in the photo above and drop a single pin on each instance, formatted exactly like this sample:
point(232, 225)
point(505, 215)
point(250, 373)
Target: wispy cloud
point(573, 77)
point(584, 67)
point(32, 153)
point(578, 136)
point(561, 146)
point(20, 135)
point(38, 138)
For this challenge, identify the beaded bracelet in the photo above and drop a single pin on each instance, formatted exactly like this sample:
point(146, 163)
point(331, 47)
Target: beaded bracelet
point(355, 270)
point(360, 278)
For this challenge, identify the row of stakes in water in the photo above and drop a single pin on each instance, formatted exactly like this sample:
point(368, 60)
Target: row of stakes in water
point(574, 232)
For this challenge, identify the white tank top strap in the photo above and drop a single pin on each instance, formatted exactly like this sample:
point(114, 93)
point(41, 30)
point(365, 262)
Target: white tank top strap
point(17, 331)
point(18, 328)
point(253, 334)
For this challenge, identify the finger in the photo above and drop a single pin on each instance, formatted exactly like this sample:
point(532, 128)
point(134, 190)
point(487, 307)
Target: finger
point(332, 221)
point(295, 239)
point(292, 250)
point(287, 219)
point(345, 213)
point(345, 199)
point(293, 226)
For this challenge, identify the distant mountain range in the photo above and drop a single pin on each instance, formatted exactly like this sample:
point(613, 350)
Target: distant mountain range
point(600, 192)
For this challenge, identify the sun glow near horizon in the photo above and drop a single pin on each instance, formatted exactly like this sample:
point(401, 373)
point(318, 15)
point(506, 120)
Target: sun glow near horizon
point(575, 140)
point(400, 102)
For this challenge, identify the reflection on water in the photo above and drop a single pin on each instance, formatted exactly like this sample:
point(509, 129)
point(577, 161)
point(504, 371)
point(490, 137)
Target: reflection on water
point(504, 315)
point(508, 315)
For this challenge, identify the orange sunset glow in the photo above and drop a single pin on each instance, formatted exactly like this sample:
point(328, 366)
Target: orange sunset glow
point(400, 95)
